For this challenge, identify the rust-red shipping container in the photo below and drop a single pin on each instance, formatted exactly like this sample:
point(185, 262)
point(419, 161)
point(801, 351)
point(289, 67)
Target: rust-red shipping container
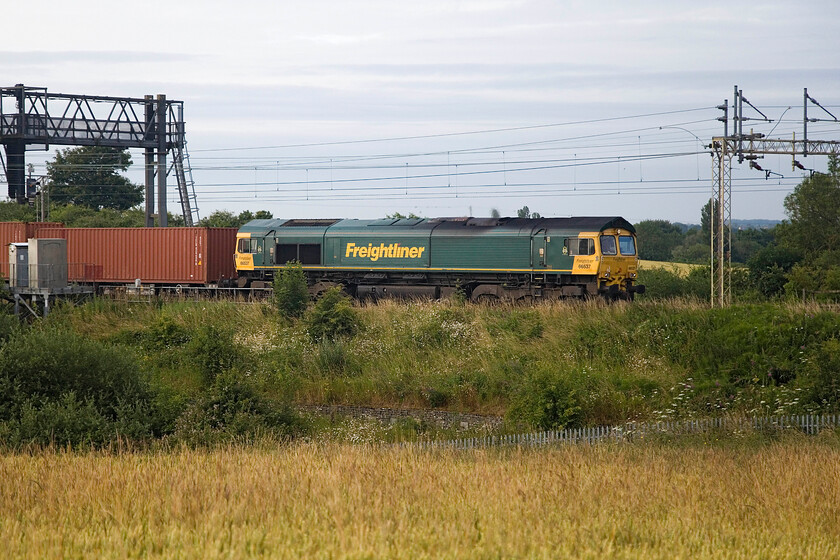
point(18, 232)
point(178, 255)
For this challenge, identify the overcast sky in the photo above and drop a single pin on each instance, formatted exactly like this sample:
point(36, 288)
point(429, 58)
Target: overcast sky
point(444, 107)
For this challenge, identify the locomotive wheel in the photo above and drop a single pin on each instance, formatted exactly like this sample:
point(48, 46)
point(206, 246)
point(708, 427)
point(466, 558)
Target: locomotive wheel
point(487, 299)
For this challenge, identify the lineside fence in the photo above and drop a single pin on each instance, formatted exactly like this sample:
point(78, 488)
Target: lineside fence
point(808, 424)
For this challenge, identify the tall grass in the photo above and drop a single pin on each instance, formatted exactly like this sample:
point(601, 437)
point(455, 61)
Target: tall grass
point(305, 500)
point(594, 363)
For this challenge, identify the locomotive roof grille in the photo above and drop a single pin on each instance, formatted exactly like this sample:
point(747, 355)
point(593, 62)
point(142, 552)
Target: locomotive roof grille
point(309, 223)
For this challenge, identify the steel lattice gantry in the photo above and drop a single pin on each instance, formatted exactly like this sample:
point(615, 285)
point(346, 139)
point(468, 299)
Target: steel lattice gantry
point(34, 116)
point(723, 150)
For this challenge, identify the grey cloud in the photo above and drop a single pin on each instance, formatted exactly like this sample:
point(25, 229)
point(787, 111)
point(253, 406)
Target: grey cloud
point(29, 58)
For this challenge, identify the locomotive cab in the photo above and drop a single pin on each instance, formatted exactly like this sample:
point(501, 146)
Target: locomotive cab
point(618, 263)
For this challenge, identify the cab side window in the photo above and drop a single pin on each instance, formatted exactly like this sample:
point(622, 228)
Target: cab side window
point(580, 246)
point(243, 246)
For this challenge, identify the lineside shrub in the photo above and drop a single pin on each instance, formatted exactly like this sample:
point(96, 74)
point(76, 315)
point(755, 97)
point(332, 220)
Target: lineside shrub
point(545, 400)
point(291, 294)
point(232, 410)
point(332, 316)
point(59, 387)
point(213, 351)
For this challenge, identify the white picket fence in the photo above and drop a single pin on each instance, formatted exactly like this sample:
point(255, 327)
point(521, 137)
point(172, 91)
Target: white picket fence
point(635, 431)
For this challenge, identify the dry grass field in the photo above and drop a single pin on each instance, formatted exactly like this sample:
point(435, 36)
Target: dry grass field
point(779, 500)
point(681, 269)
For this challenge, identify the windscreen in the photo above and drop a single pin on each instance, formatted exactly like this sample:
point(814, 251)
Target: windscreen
point(627, 245)
point(608, 245)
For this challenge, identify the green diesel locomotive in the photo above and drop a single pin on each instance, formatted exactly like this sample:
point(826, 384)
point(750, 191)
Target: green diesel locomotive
point(516, 259)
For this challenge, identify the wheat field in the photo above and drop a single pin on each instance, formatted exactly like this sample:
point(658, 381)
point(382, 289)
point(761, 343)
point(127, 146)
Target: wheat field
point(337, 501)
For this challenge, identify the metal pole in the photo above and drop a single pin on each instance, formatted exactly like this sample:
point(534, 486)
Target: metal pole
point(150, 125)
point(804, 124)
point(161, 159)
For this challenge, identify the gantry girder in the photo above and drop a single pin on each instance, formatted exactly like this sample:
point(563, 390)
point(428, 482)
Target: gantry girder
point(33, 116)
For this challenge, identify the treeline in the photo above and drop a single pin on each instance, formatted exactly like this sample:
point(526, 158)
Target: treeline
point(800, 256)
point(73, 215)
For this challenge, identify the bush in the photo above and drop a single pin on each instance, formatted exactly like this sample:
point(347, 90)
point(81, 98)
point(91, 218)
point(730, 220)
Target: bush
point(164, 333)
point(232, 410)
point(9, 325)
point(545, 400)
point(213, 351)
point(821, 382)
point(661, 283)
point(291, 294)
point(57, 386)
point(332, 316)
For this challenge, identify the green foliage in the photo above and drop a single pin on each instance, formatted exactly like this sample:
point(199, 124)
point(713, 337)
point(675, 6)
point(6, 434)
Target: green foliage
point(524, 324)
point(818, 277)
point(334, 357)
point(57, 386)
point(769, 268)
point(89, 176)
point(226, 218)
point(332, 316)
point(9, 325)
point(525, 212)
point(14, 212)
point(163, 333)
point(821, 381)
point(546, 400)
point(663, 284)
point(213, 351)
point(657, 239)
point(813, 209)
point(82, 216)
point(399, 216)
point(291, 293)
point(709, 216)
point(233, 410)
point(221, 372)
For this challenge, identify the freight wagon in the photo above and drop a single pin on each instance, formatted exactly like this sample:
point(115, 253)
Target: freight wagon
point(486, 258)
point(188, 256)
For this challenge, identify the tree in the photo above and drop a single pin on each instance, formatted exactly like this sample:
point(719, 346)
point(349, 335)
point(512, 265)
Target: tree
point(226, 218)
point(813, 209)
point(246, 216)
point(399, 216)
point(494, 213)
point(708, 217)
point(657, 239)
point(525, 212)
point(769, 268)
point(90, 176)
